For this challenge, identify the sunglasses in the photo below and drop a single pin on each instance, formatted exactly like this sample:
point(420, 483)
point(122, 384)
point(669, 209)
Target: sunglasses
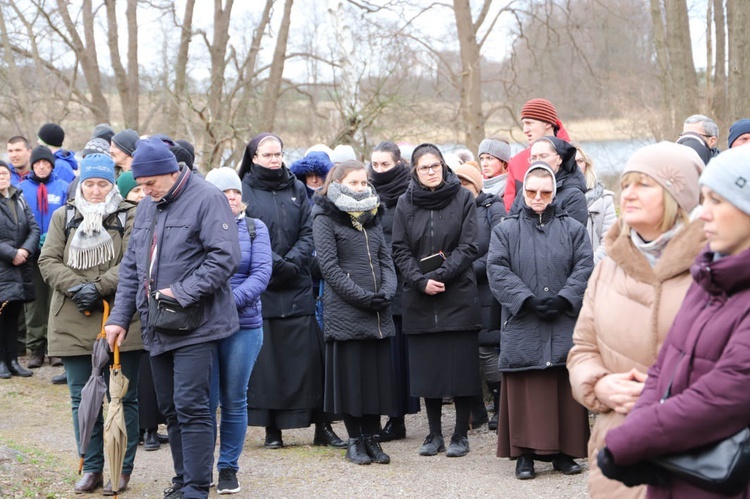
point(544, 195)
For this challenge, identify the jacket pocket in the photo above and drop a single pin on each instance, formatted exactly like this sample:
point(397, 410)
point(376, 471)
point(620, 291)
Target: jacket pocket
point(58, 300)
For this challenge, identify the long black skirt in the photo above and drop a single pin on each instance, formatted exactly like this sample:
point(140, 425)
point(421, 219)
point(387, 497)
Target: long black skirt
point(405, 403)
point(286, 386)
point(444, 364)
point(359, 377)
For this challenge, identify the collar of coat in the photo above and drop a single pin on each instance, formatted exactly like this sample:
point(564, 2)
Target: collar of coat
point(678, 256)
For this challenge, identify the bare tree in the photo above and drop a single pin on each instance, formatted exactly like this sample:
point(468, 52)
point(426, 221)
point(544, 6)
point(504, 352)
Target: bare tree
point(127, 80)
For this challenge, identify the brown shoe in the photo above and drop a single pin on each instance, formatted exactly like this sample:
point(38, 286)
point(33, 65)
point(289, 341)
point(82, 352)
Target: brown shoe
point(55, 362)
point(124, 480)
point(89, 483)
point(36, 359)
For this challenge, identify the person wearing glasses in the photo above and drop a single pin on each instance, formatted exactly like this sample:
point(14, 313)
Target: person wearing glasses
point(570, 184)
point(434, 246)
point(704, 127)
point(634, 293)
point(600, 202)
point(538, 265)
point(286, 385)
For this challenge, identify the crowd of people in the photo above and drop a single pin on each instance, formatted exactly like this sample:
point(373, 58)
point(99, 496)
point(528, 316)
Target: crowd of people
point(332, 289)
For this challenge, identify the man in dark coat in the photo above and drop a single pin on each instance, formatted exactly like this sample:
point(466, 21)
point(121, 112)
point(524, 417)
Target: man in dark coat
point(185, 246)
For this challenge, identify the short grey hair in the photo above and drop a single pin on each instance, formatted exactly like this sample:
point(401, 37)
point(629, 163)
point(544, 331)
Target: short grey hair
point(709, 125)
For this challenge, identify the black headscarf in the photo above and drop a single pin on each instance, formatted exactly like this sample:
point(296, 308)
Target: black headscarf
point(443, 194)
point(251, 149)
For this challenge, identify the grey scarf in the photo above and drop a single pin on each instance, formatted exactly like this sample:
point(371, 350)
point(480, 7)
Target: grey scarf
point(361, 206)
point(91, 245)
point(653, 250)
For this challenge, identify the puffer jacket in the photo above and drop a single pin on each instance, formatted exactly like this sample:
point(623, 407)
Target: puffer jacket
point(543, 255)
point(57, 195)
point(18, 229)
point(419, 232)
point(253, 274)
point(706, 361)
point(490, 212)
point(198, 252)
point(71, 332)
point(355, 265)
point(627, 311)
point(282, 204)
point(65, 165)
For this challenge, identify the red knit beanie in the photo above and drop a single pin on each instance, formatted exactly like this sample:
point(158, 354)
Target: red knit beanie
point(540, 109)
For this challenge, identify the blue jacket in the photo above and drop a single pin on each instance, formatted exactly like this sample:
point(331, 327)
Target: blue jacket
point(252, 277)
point(65, 164)
point(15, 177)
point(198, 252)
point(57, 195)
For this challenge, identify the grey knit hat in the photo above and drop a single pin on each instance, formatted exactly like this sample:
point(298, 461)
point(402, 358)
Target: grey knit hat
point(224, 178)
point(496, 148)
point(728, 175)
point(97, 145)
point(125, 141)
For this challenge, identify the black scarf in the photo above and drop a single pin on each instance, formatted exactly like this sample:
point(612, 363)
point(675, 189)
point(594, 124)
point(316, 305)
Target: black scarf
point(390, 184)
point(269, 179)
point(38, 180)
point(439, 198)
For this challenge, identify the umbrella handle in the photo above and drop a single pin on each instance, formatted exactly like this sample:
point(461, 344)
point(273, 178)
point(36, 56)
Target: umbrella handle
point(117, 354)
point(80, 465)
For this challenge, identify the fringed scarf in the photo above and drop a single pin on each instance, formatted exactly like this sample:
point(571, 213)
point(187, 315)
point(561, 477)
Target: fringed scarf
point(91, 245)
point(362, 207)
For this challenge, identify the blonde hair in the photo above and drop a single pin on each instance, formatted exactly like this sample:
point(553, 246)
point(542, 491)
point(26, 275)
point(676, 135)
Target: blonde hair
point(672, 214)
point(589, 174)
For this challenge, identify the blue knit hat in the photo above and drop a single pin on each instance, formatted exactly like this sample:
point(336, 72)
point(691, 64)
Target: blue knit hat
point(728, 175)
point(316, 162)
point(738, 128)
point(97, 165)
point(152, 157)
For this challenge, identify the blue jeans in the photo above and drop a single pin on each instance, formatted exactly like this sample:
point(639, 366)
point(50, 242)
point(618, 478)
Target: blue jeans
point(229, 379)
point(182, 379)
point(78, 371)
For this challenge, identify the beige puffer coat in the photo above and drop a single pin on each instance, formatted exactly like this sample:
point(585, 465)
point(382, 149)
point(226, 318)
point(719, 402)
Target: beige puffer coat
point(70, 331)
point(627, 311)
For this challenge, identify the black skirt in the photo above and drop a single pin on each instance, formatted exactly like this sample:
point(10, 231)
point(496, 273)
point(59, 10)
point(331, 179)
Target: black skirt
point(444, 364)
point(405, 403)
point(286, 386)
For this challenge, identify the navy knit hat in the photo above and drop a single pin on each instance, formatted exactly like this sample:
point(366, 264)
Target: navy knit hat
point(51, 134)
point(42, 152)
point(152, 157)
point(125, 141)
point(738, 128)
point(98, 165)
point(316, 162)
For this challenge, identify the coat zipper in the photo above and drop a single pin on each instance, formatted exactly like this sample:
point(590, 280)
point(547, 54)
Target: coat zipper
point(432, 250)
point(374, 280)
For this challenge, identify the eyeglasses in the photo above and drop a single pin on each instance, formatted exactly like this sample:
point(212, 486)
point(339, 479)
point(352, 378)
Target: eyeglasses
point(541, 157)
point(423, 170)
point(701, 134)
point(543, 195)
point(269, 155)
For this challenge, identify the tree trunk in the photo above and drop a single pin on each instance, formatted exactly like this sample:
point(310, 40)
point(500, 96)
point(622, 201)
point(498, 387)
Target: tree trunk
point(738, 17)
point(684, 80)
point(20, 115)
point(123, 78)
point(719, 97)
point(273, 85)
point(132, 116)
point(180, 69)
point(471, 77)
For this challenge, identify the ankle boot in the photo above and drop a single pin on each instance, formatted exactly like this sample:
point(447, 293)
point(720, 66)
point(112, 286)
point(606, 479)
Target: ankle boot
point(375, 451)
point(17, 369)
point(394, 429)
point(356, 451)
point(36, 359)
point(495, 389)
point(324, 435)
point(4, 371)
point(273, 438)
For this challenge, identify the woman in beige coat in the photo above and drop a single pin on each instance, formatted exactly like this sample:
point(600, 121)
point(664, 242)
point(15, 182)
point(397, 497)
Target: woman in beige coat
point(635, 292)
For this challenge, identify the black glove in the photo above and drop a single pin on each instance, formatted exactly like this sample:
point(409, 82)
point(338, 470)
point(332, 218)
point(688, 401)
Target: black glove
point(532, 305)
point(643, 473)
point(88, 299)
point(379, 302)
point(285, 270)
point(552, 308)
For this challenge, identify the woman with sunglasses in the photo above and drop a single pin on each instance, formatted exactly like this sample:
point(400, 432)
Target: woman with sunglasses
point(635, 292)
point(538, 264)
point(434, 245)
point(570, 184)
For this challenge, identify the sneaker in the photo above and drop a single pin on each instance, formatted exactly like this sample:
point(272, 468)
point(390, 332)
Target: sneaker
point(228, 483)
point(432, 445)
point(458, 447)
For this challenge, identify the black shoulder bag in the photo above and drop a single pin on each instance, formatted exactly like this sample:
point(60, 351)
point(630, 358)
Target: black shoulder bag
point(165, 314)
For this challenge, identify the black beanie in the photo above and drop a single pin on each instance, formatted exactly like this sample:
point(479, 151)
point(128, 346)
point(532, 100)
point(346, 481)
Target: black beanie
point(187, 146)
point(42, 152)
point(182, 155)
point(51, 134)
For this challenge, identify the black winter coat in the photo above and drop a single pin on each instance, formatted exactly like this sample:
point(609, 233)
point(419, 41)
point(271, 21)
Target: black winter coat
point(355, 265)
point(490, 212)
point(18, 229)
point(543, 256)
point(419, 232)
point(280, 201)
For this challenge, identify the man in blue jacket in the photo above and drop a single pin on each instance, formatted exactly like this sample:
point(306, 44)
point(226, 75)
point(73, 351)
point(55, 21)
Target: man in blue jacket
point(19, 155)
point(52, 135)
point(184, 246)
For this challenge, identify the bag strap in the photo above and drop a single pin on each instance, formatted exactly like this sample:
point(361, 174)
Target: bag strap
point(73, 223)
point(250, 223)
point(152, 246)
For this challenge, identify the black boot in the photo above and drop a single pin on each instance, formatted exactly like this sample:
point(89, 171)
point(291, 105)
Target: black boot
point(395, 429)
point(525, 467)
point(324, 435)
point(356, 451)
point(17, 369)
point(375, 451)
point(150, 441)
point(495, 389)
point(273, 438)
point(4, 371)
